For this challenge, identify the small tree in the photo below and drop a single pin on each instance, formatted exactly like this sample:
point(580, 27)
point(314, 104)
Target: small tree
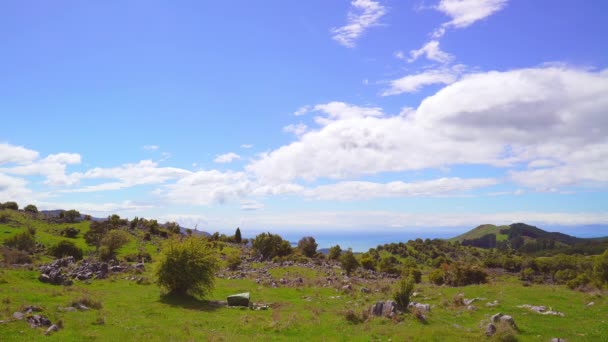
point(70, 215)
point(349, 262)
point(334, 252)
point(237, 235)
point(269, 246)
point(403, 292)
point(187, 266)
point(30, 208)
point(112, 241)
point(23, 241)
point(96, 233)
point(600, 268)
point(308, 246)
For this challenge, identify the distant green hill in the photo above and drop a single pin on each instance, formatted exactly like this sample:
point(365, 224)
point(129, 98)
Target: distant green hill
point(526, 238)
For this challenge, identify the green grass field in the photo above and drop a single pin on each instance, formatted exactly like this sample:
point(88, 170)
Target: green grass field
point(310, 312)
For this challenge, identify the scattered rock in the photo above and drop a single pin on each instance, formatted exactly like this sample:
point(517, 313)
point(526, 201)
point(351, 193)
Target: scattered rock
point(32, 308)
point(51, 329)
point(240, 299)
point(36, 321)
point(590, 304)
point(492, 304)
point(490, 329)
point(541, 309)
point(365, 290)
point(347, 287)
point(557, 339)
point(471, 307)
point(420, 306)
point(384, 309)
point(18, 315)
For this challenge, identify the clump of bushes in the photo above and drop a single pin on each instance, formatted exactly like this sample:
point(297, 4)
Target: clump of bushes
point(65, 248)
point(268, 246)
point(233, 260)
point(22, 241)
point(334, 252)
point(349, 262)
point(436, 277)
point(70, 232)
point(308, 246)
point(457, 274)
point(187, 267)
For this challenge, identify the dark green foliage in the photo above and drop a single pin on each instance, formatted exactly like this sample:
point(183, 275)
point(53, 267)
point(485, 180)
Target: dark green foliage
point(70, 232)
point(308, 246)
point(600, 268)
point(30, 208)
point(96, 233)
point(233, 260)
point(9, 205)
point(368, 262)
point(65, 248)
point(402, 294)
point(187, 266)
point(334, 252)
point(457, 274)
point(70, 215)
point(237, 235)
point(115, 221)
point(349, 262)
point(389, 264)
point(22, 241)
point(268, 246)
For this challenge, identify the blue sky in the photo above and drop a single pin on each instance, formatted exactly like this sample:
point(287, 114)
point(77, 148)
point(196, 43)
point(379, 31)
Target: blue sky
point(308, 116)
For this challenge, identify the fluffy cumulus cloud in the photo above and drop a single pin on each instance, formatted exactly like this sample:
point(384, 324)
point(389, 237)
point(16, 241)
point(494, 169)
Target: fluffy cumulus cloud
point(297, 129)
point(53, 167)
point(13, 189)
point(500, 119)
point(16, 154)
point(466, 12)
point(226, 158)
point(363, 15)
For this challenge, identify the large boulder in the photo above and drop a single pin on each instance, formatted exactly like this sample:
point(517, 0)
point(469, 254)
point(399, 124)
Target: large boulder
point(384, 309)
point(240, 299)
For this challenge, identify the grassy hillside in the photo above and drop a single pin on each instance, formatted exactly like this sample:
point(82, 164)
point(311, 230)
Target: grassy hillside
point(306, 300)
point(481, 231)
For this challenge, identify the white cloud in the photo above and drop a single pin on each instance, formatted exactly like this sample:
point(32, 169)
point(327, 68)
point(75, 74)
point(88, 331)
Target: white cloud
point(128, 175)
point(432, 52)
point(226, 158)
point(490, 118)
point(302, 110)
point(13, 189)
point(466, 12)
point(151, 147)
point(53, 167)
point(297, 129)
point(208, 187)
point(356, 190)
point(97, 209)
point(413, 83)
point(246, 146)
point(363, 15)
point(16, 154)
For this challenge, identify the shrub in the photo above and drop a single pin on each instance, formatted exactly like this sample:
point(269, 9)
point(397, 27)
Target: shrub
point(349, 262)
point(138, 257)
point(461, 275)
point(563, 276)
point(351, 316)
point(308, 246)
point(367, 262)
point(237, 236)
point(334, 252)
point(9, 205)
point(580, 280)
point(388, 264)
point(112, 241)
point(600, 268)
point(269, 245)
point(96, 233)
point(233, 260)
point(65, 248)
point(187, 266)
point(70, 232)
point(14, 256)
point(23, 241)
point(70, 215)
point(402, 294)
point(436, 277)
point(30, 208)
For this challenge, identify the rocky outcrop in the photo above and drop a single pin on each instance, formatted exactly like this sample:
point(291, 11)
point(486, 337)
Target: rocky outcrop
point(64, 271)
point(541, 309)
point(384, 309)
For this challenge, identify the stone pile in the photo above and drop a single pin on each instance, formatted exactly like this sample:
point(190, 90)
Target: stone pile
point(64, 271)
